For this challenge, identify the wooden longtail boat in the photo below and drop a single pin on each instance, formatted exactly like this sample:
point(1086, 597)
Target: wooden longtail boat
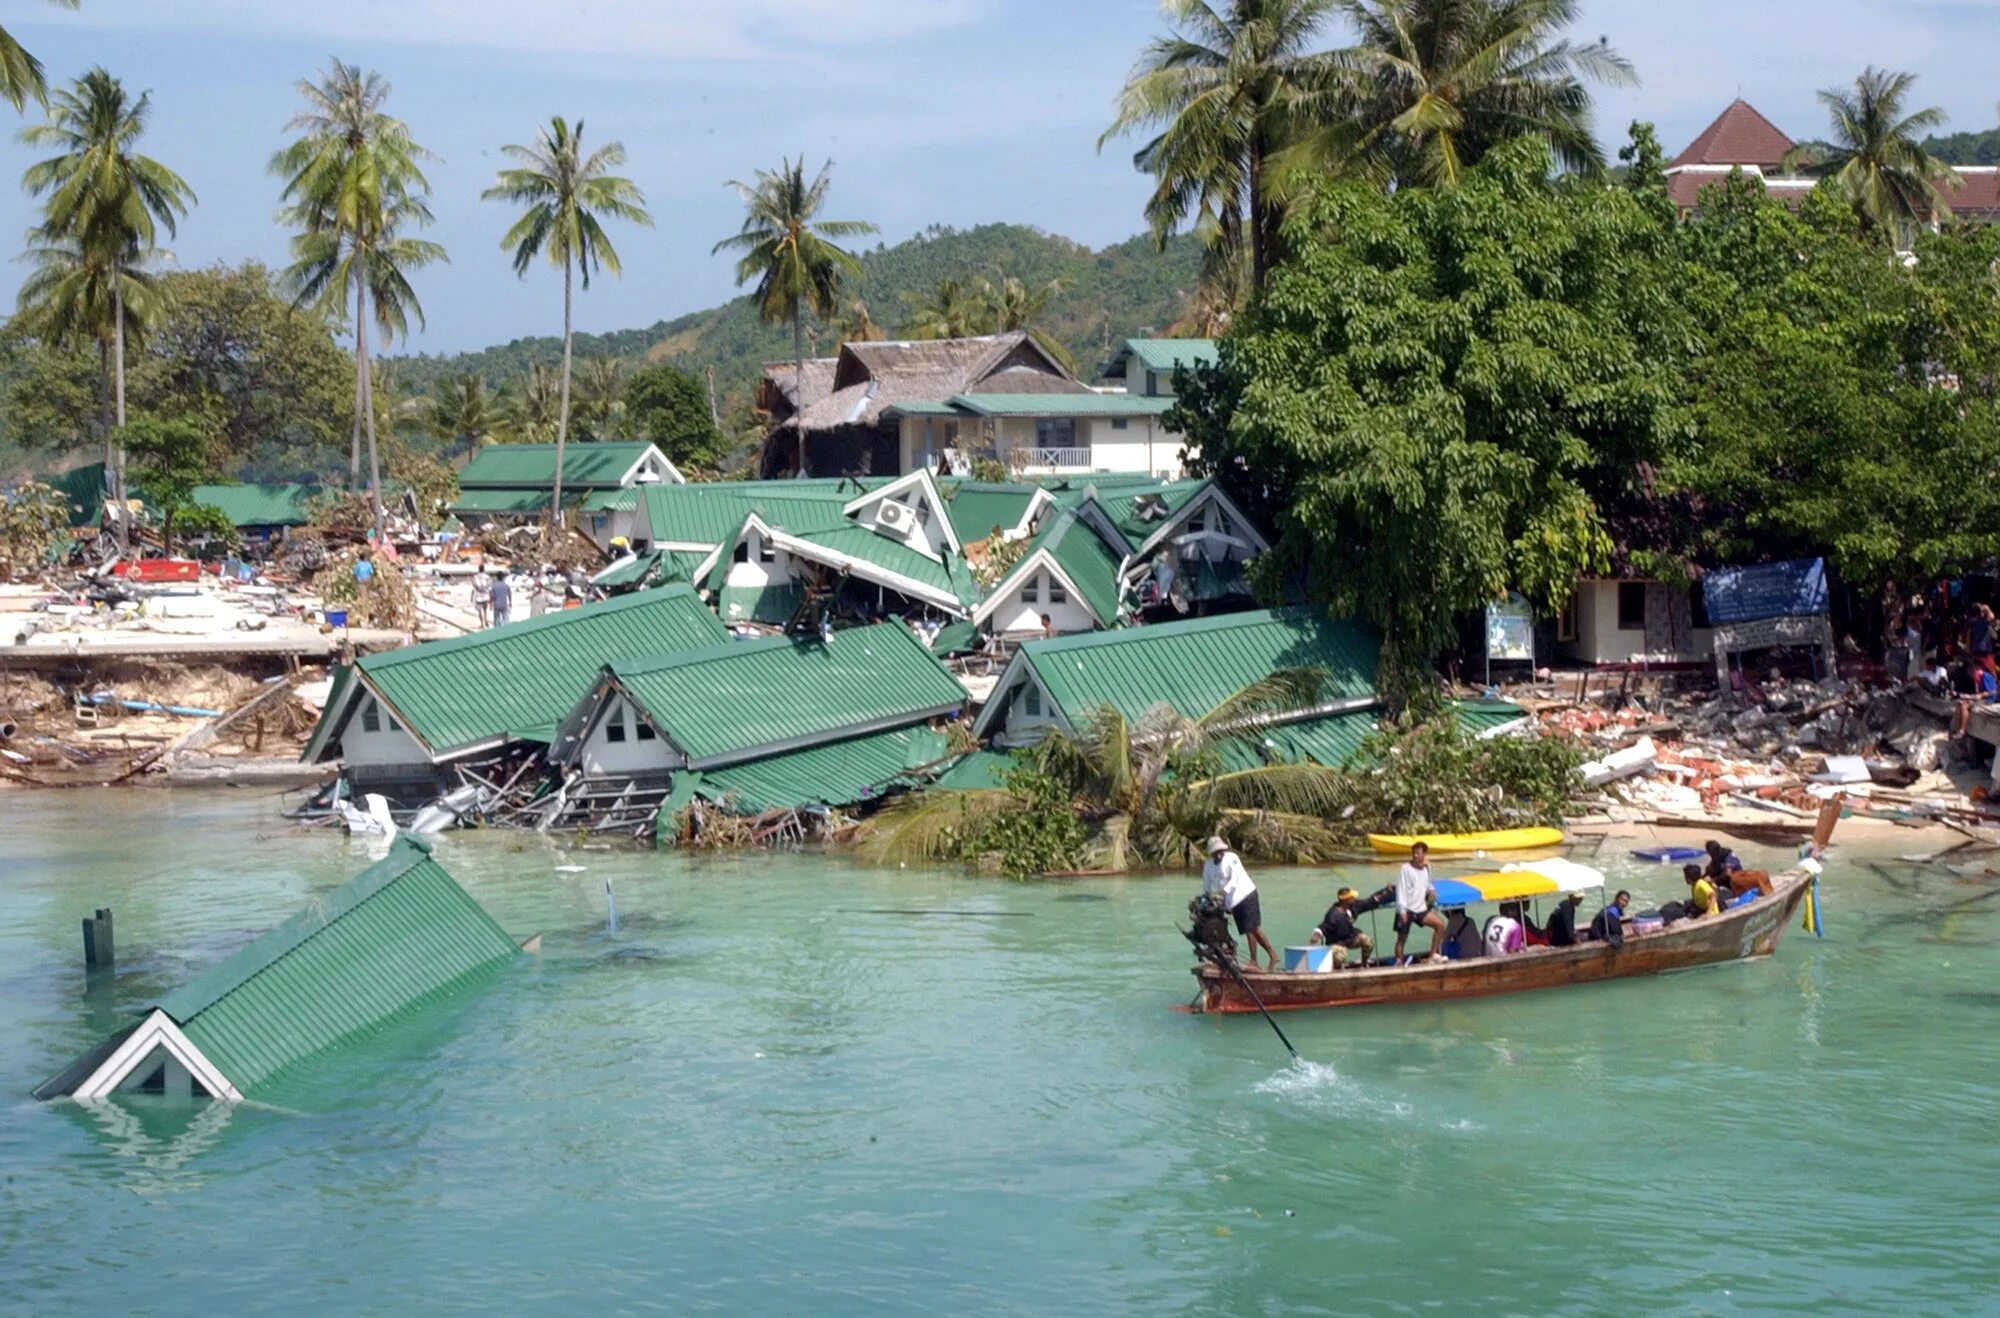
point(1738, 933)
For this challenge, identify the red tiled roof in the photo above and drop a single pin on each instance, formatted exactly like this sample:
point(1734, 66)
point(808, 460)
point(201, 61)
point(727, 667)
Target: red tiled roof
point(1976, 197)
point(1739, 136)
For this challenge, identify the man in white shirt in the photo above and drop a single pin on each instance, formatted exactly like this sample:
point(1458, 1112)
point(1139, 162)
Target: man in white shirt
point(1224, 873)
point(1416, 903)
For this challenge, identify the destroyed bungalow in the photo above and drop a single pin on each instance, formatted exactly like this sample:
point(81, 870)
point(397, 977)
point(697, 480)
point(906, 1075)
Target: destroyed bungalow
point(397, 937)
point(767, 724)
point(511, 483)
point(400, 720)
point(260, 512)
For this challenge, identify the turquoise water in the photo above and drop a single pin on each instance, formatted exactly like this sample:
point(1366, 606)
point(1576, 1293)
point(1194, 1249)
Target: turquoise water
point(764, 1092)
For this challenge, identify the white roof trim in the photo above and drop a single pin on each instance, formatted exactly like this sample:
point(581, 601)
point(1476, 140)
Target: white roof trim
point(859, 567)
point(918, 479)
point(156, 1032)
point(1213, 494)
point(1010, 586)
point(1011, 677)
point(629, 480)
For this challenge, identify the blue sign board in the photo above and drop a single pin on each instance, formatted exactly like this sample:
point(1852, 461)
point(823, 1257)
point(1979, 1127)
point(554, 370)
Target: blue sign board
point(1768, 590)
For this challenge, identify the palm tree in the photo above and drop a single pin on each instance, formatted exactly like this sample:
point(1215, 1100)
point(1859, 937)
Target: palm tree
point(1015, 305)
point(951, 310)
point(103, 208)
point(566, 192)
point(1877, 158)
point(463, 412)
point(860, 326)
point(600, 399)
point(21, 73)
point(531, 415)
point(1438, 83)
point(789, 251)
point(1231, 87)
point(354, 187)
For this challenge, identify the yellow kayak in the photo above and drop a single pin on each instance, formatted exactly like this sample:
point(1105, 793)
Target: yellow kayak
point(1499, 839)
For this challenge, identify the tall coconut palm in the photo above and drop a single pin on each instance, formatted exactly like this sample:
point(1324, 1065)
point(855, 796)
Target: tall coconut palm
point(1877, 158)
point(102, 211)
point(566, 192)
point(21, 74)
point(530, 414)
point(1232, 86)
point(463, 412)
point(1437, 83)
point(790, 253)
point(600, 398)
point(355, 188)
point(950, 310)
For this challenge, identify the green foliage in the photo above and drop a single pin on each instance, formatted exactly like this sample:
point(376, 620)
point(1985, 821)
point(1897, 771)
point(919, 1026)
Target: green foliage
point(1875, 158)
point(1436, 387)
point(34, 519)
point(1037, 831)
point(170, 457)
point(1436, 777)
point(670, 407)
point(1980, 148)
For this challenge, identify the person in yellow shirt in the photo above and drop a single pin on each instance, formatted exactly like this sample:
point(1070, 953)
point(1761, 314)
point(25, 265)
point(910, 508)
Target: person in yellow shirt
point(1701, 892)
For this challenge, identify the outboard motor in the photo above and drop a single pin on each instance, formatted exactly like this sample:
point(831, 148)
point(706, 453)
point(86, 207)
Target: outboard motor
point(1210, 934)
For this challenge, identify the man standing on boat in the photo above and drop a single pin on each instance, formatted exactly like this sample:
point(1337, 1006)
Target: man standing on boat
point(1416, 904)
point(1224, 873)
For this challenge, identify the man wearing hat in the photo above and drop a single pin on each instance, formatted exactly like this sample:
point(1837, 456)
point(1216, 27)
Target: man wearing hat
point(1338, 930)
point(1224, 873)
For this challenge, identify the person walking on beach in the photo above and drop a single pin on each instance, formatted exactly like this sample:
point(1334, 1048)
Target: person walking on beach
point(1416, 903)
point(1224, 873)
point(482, 598)
point(503, 600)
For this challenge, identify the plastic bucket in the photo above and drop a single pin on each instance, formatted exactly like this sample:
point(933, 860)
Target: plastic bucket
point(336, 617)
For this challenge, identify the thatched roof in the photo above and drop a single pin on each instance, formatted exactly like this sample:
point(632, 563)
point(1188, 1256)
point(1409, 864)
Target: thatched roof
point(868, 377)
point(777, 392)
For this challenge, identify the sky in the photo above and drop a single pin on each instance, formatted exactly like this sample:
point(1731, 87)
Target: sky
point(956, 112)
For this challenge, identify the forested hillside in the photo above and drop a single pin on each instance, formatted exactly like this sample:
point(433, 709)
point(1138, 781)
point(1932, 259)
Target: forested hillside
point(1980, 148)
point(1107, 295)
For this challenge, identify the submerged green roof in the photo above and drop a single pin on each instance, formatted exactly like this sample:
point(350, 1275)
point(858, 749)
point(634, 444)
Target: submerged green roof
point(585, 466)
point(398, 935)
point(1193, 666)
point(977, 509)
point(846, 772)
point(84, 489)
point(259, 505)
point(518, 681)
point(751, 698)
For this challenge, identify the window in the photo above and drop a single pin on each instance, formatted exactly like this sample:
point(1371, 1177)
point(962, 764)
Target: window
point(1031, 700)
point(1152, 382)
point(1631, 606)
point(1055, 432)
point(1566, 621)
point(371, 717)
point(614, 725)
point(644, 729)
point(1057, 595)
point(1031, 593)
point(923, 512)
point(742, 554)
point(766, 551)
point(1119, 423)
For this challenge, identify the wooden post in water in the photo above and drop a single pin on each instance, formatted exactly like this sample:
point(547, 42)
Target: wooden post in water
point(98, 947)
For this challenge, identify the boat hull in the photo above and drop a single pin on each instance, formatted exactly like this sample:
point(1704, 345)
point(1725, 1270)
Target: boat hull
point(1465, 844)
point(1738, 934)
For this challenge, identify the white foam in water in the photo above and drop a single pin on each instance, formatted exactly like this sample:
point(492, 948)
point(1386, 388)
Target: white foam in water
point(1303, 1079)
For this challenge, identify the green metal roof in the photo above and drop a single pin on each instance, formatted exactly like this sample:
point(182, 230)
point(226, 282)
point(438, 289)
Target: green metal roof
point(1061, 404)
point(501, 501)
point(585, 465)
point(711, 512)
point(393, 938)
point(518, 681)
point(849, 541)
point(1194, 666)
point(841, 773)
point(661, 567)
point(1165, 354)
point(955, 637)
point(1090, 565)
point(84, 488)
point(923, 409)
point(1333, 740)
point(603, 501)
point(1138, 512)
point(977, 771)
point(976, 509)
point(740, 700)
point(1477, 716)
point(259, 505)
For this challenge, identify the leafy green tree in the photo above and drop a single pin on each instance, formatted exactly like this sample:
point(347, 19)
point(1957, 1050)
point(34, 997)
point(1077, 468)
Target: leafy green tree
point(1436, 389)
point(1227, 91)
point(669, 407)
point(566, 192)
point(791, 254)
point(1876, 160)
point(952, 310)
point(1439, 83)
point(354, 188)
point(103, 206)
point(171, 458)
point(21, 76)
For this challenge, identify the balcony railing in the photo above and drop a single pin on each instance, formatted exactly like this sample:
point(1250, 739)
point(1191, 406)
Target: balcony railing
point(1055, 459)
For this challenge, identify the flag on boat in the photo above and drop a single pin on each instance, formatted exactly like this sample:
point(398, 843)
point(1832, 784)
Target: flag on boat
point(1812, 920)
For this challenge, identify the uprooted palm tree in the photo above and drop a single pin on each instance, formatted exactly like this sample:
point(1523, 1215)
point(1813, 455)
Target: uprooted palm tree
point(1877, 158)
point(1170, 780)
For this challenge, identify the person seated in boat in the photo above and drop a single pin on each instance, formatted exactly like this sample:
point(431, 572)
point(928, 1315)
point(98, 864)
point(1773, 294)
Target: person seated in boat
point(1532, 934)
point(1722, 862)
point(1416, 903)
point(1608, 925)
point(1338, 930)
point(1702, 899)
point(1562, 924)
point(1224, 873)
point(1503, 934)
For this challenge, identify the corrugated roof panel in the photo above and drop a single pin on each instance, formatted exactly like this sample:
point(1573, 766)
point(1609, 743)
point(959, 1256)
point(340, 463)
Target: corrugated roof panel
point(710, 512)
point(526, 465)
point(977, 510)
point(501, 501)
point(394, 937)
point(1062, 404)
point(519, 680)
point(839, 773)
point(779, 692)
point(1195, 666)
point(258, 505)
point(853, 542)
point(1165, 354)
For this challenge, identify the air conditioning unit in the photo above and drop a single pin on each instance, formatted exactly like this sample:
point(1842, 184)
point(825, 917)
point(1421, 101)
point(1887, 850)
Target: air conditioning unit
point(893, 516)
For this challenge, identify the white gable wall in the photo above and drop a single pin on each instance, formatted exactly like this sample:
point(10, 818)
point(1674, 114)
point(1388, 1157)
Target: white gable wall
point(1027, 599)
point(1030, 714)
point(616, 744)
point(387, 743)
